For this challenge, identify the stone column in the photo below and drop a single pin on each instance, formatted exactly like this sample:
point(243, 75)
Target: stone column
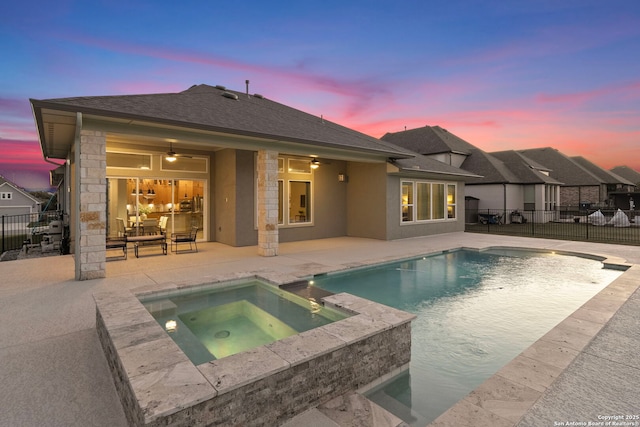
point(267, 203)
point(91, 205)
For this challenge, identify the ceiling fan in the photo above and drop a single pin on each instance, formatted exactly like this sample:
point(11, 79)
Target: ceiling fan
point(171, 156)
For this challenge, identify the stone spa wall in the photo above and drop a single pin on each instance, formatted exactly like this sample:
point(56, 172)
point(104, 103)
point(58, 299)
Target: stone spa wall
point(159, 386)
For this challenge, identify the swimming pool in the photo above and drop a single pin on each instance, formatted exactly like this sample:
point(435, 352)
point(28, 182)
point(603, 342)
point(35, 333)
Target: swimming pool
point(475, 312)
point(213, 322)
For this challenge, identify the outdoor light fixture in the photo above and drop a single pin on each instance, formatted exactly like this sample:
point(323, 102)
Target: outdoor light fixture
point(171, 155)
point(171, 325)
point(315, 163)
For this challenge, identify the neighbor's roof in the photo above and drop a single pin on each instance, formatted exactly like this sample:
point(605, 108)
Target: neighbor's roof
point(526, 170)
point(429, 140)
point(627, 173)
point(563, 168)
point(203, 108)
point(4, 182)
point(487, 168)
point(607, 177)
point(428, 165)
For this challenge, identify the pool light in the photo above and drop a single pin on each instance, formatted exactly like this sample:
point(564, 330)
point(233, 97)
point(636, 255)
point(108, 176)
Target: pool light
point(171, 325)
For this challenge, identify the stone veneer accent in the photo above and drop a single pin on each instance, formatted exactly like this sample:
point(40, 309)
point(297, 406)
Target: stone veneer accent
point(267, 169)
point(159, 386)
point(91, 164)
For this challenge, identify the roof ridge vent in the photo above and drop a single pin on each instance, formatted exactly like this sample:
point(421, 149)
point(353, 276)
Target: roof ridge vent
point(220, 87)
point(230, 95)
point(257, 95)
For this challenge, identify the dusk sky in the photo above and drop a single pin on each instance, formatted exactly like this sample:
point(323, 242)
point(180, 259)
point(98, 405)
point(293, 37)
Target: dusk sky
point(499, 74)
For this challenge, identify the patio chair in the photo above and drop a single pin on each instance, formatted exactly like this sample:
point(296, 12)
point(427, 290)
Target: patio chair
point(123, 230)
point(190, 238)
point(163, 224)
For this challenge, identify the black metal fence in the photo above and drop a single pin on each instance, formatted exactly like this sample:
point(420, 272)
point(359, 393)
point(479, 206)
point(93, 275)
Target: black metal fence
point(604, 226)
point(30, 229)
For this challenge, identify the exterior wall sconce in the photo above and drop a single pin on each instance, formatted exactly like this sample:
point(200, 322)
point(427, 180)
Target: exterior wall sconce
point(342, 177)
point(315, 163)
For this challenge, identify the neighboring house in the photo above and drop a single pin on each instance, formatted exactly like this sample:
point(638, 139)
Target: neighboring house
point(244, 169)
point(629, 199)
point(16, 201)
point(582, 182)
point(613, 181)
point(629, 174)
point(505, 182)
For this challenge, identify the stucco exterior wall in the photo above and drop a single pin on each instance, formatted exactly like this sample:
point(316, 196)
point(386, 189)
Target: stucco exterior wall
point(398, 230)
point(245, 227)
point(367, 200)
point(225, 191)
point(329, 210)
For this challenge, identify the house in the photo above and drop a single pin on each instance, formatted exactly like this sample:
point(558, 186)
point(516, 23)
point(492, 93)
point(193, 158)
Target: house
point(583, 183)
point(16, 201)
point(629, 174)
point(244, 169)
point(629, 199)
point(505, 181)
point(613, 181)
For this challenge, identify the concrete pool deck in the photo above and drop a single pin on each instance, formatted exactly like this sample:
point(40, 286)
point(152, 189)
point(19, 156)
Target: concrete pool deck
point(54, 373)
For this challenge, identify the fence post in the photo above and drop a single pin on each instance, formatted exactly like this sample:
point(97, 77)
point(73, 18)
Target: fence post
point(534, 218)
point(586, 222)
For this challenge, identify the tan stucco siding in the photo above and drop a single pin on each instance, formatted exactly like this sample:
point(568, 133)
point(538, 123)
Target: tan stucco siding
point(367, 200)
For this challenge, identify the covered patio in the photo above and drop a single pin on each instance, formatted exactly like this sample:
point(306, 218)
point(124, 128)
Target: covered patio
point(55, 373)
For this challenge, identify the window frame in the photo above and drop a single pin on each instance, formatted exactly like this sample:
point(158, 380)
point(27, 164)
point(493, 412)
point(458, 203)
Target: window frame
point(414, 201)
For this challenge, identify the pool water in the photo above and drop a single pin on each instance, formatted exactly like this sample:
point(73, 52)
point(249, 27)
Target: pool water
point(475, 312)
point(216, 322)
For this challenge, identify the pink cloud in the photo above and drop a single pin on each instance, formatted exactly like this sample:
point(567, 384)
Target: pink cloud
point(14, 107)
point(359, 92)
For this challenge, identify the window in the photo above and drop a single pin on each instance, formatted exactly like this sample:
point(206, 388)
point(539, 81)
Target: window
point(6, 195)
point(128, 160)
point(185, 164)
point(299, 201)
point(295, 192)
point(280, 202)
point(529, 198)
point(407, 201)
point(299, 166)
point(451, 201)
point(424, 201)
point(550, 197)
point(439, 201)
point(427, 201)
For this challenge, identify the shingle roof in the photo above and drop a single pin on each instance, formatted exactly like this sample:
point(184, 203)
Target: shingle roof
point(604, 175)
point(5, 182)
point(492, 170)
point(526, 170)
point(627, 173)
point(218, 109)
point(563, 168)
point(426, 164)
point(429, 140)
